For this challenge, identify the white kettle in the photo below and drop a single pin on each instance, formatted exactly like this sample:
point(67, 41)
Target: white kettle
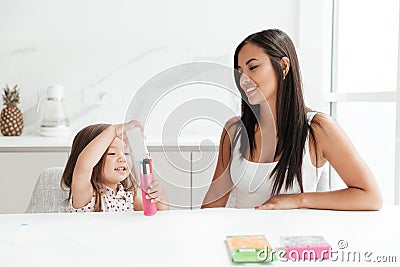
point(54, 121)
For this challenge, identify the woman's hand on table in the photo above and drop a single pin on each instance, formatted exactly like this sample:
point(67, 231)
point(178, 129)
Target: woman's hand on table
point(281, 202)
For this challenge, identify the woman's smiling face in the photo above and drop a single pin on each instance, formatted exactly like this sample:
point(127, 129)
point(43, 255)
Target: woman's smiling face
point(258, 80)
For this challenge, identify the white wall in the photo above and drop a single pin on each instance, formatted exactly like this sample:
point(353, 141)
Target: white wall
point(314, 48)
point(114, 47)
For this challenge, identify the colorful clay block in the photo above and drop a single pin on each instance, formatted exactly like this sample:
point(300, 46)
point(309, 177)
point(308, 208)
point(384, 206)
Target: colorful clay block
point(250, 248)
point(306, 247)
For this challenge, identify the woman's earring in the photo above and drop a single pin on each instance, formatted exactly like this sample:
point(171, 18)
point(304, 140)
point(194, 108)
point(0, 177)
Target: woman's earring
point(284, 75)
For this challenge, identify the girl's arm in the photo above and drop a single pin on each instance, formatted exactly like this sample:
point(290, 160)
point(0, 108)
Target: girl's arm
point(157, 194)
point(138, 203)
point(221, 185)
point(81, 187)
point(362, 192)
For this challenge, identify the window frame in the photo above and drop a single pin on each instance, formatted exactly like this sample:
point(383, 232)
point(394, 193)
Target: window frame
point(334, 97)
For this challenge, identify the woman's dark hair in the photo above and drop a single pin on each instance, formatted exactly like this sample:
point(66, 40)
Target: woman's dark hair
point(291, 111)
point(81, 140)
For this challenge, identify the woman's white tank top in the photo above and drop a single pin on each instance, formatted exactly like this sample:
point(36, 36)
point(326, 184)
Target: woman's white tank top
point(252, 182)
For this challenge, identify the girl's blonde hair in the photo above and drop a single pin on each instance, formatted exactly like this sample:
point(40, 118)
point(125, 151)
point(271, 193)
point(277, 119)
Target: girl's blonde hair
point(81, 140)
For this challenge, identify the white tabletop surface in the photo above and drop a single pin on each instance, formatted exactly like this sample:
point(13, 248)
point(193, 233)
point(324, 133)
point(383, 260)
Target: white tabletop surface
point(188, 238)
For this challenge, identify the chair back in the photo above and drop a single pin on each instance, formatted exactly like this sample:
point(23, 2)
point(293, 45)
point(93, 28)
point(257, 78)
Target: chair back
point(48, 196)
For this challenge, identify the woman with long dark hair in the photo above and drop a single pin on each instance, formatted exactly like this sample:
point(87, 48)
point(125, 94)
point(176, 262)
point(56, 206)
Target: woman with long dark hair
point(273, 155)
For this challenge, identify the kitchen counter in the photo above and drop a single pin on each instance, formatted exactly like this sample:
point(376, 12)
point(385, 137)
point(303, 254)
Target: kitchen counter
point(63, 144)
point(31, 155)
point(35, 144)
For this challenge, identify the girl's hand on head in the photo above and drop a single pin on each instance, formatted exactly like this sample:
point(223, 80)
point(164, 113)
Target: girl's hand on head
point(281, 202)
point(123, 127)
point(157, 195)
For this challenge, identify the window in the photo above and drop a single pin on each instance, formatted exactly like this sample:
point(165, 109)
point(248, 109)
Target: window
point(364, 90)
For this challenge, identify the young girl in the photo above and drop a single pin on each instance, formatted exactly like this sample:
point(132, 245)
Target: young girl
point(271, 157)
point(98, 172)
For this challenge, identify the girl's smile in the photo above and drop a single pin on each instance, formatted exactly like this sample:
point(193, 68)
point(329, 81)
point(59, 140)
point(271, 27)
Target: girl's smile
point(121, 169)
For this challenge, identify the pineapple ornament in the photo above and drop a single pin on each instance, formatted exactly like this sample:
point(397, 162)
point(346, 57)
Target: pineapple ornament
point(11, 121)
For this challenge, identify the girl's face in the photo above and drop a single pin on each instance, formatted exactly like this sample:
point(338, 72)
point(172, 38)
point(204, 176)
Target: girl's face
point(258, 80)
point(117, 163)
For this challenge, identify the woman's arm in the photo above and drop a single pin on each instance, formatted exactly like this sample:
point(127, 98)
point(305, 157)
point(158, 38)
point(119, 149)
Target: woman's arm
point(221, 185)
point(362, 192)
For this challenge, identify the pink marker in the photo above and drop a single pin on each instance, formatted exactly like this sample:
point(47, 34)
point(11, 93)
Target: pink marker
point(146, 179)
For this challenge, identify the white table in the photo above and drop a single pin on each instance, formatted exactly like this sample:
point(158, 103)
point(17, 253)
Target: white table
point(186, 238)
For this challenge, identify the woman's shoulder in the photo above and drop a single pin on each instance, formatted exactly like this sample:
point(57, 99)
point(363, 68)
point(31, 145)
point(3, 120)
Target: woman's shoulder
point(229, 132)
point(323, 122)
point(326, 128)
point(231, 126)
point(232, 121)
